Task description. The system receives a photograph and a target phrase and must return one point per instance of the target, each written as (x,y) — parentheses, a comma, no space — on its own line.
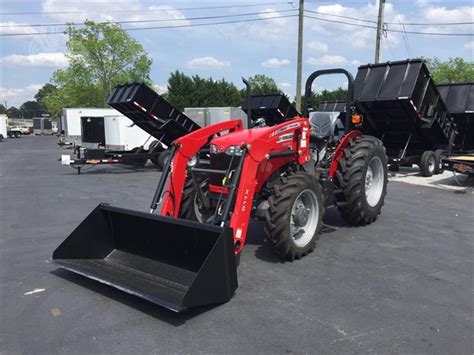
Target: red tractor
(217,178)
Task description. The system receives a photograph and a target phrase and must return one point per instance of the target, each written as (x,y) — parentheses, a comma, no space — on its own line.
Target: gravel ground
(401,285)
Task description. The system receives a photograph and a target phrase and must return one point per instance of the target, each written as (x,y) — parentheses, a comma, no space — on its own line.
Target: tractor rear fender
(339,150)
(188,146)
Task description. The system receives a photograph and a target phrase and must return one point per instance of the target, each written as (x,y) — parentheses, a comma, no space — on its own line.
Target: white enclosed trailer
(205,116)
(3,126)
(70,123)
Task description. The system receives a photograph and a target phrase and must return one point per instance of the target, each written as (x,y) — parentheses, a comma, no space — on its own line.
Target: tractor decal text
(285,138)
(286,128)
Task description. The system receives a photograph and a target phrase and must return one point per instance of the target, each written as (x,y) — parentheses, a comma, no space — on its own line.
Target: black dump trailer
(152,113)
(404,108)
(147,110)
(460,101)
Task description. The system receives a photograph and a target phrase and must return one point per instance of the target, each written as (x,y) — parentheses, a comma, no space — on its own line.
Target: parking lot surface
(401,285)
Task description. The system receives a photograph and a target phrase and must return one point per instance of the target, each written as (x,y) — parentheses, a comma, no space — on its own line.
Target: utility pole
(299,66)
(379,31)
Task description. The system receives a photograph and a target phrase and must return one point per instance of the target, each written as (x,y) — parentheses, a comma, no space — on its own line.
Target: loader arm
(187,147)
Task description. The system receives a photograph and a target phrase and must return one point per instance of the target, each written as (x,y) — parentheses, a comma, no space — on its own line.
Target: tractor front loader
(217,178)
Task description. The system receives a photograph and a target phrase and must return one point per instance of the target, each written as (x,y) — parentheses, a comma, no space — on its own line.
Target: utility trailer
(404,108)
(42,126)
(112,139)
(205,116)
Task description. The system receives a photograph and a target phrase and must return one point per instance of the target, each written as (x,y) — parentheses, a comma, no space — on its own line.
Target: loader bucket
(175,263)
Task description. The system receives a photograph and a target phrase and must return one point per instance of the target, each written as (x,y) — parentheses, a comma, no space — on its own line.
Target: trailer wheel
(1,137)
(163,158)
(138,162)
(155,148)
(428,163)
(17,134)
(439,165)
(361,179)
(294,216)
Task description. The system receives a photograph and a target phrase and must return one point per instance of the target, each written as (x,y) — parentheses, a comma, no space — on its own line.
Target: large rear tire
(362,180)
(293,218)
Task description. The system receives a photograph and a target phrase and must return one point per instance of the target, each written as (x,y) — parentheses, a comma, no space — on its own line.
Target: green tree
(262,84)
(101,56)
(30,109)
(13,112)
(327,95)
(194,91)
(455,70)
(2,109)
(44,92)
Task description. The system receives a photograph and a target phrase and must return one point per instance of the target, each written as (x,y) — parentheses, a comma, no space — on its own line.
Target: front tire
(294,216)
(362,180)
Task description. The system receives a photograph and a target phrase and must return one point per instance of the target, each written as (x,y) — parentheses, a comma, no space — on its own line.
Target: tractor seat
(322,124)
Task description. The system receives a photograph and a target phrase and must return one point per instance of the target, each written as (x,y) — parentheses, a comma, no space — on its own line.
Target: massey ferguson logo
(286,128)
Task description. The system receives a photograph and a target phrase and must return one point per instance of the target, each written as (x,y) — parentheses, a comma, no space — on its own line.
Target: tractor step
(175,263)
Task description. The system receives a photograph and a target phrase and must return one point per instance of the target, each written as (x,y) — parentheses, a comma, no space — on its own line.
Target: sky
(267,45)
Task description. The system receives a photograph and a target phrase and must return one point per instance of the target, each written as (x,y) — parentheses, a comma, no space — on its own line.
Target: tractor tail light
(356,119)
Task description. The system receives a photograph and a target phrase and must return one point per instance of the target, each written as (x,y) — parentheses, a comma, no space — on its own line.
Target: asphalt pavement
(401,285)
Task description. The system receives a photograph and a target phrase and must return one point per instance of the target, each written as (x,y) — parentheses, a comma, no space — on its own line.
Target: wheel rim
(431,164)
(374,181)
(304,218)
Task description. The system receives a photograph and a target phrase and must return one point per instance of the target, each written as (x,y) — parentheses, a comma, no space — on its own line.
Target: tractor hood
(241,137)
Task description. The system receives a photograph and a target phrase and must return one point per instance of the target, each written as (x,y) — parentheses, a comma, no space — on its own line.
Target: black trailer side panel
(151,112)
(459,99)
(401,99)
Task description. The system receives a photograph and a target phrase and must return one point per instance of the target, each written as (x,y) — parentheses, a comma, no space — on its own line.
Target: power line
(157,27)
(392,30)
(393,23)
(148,10)
(147,21)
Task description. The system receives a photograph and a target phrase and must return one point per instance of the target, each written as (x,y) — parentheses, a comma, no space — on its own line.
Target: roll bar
(349,97)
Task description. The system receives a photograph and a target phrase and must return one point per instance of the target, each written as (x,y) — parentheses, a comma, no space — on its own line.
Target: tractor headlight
(234,150)
(213,149)
(193,161)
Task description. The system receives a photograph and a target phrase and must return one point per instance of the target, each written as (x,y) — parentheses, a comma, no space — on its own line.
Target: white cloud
(54,59)
(207,63)
(7,28)
(99,11)
(16,96)
(275,63)
(442,14)
(469,45)
(161,89)
(317,46)
(330,60)
(273,28)
(353,36)
(285,85)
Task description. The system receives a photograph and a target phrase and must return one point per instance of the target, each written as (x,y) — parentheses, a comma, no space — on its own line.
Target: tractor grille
(221,162)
